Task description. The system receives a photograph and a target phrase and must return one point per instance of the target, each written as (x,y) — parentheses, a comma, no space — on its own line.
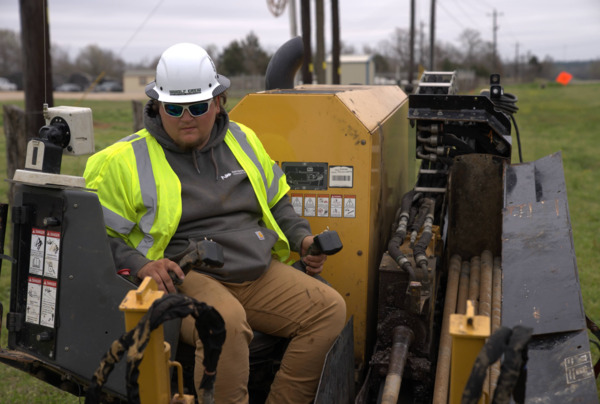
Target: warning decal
(323,206)
(34,297)
(310,205)
(38,246)
(48,303)
(297,203)
(350,206)
(52,254)
(336,205)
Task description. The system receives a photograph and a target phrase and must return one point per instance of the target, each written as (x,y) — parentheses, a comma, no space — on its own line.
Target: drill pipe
(442,374)
(485,297)
(496,317)
(474,283)
(463,288)
(403,338)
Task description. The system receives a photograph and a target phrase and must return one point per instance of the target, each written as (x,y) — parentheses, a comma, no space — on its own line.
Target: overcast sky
(137,30)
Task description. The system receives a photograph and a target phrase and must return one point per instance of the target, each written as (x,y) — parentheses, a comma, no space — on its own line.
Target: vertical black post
(432,37)
(306,40)
(335,46)
(411,62)
(37,71)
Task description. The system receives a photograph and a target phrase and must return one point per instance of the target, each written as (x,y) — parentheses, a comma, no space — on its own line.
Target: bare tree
(93,60)
(10,52)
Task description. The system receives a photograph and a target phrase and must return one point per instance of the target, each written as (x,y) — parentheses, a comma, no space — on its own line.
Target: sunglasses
(195,110)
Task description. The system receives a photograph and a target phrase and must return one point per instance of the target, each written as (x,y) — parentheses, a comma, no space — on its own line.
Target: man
(192,174)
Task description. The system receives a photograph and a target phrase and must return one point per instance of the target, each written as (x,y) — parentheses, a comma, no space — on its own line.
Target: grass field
(553,118)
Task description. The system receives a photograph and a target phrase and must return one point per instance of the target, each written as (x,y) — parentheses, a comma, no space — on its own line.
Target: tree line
(247,57)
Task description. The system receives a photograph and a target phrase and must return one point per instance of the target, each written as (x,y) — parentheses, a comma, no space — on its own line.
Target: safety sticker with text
(38,246)
(34,298)
(350,206)
(52,254)
(337,205)
(48,310)
(323,206)
(297,203)
(310,205)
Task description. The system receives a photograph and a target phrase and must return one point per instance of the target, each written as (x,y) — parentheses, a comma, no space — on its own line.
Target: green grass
(550,119)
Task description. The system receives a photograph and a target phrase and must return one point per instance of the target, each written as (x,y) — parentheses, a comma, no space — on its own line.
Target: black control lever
(327,243)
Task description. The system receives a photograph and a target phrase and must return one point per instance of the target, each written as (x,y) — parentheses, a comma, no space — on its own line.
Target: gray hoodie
(218,203)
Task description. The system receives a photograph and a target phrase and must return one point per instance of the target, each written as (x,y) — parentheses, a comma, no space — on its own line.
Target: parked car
(109,86)
(6,85)
(69,87)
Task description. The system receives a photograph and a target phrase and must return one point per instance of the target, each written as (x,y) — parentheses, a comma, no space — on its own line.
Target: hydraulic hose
(398,238)
(420,248)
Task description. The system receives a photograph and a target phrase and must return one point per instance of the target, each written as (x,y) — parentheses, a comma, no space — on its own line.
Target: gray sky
(139,30)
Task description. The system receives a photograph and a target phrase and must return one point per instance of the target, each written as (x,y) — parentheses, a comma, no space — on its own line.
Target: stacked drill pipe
(478,280)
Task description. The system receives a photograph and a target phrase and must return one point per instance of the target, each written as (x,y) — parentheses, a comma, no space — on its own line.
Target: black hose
(512,343)
(490,353)
(210,327)
(513,369)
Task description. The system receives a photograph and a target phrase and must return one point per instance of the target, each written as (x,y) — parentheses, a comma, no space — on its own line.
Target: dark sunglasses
(196,109)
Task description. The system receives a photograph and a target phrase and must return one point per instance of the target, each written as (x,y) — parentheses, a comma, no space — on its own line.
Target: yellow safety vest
(141,194)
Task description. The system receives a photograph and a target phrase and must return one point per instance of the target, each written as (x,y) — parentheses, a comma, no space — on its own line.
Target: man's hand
(159,271)
(314,263)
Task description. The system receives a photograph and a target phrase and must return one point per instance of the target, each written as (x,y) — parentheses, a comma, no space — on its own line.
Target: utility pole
(320,53)
(307,67)
(495,42)
(37,69)
(411,62)
(517,61)
(432,36)
(335,46)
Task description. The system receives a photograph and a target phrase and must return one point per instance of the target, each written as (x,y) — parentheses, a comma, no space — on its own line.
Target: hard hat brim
(156,93)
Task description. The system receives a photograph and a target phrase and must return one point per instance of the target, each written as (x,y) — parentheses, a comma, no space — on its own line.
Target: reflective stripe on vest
(241,138)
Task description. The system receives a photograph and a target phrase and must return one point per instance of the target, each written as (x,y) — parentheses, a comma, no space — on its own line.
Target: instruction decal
(38,246)
(579,367)
(34,298)
(310,205)
(48,310)
(297,203)
(341,176)
(323,206)
(350,206)
(52,254)
(337,205)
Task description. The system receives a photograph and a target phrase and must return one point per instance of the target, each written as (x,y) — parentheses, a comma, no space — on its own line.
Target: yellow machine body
(349,157)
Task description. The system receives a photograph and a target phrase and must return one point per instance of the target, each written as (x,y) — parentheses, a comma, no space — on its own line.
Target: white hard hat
(186,73)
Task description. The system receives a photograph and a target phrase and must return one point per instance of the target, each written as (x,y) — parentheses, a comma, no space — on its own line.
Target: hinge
(20,214)
(14,322)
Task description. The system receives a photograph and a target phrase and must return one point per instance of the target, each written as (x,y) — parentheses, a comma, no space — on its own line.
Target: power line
(451,16)
(474,23)
(139,28)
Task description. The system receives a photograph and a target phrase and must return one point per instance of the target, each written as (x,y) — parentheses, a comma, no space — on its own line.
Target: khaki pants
(283,302)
